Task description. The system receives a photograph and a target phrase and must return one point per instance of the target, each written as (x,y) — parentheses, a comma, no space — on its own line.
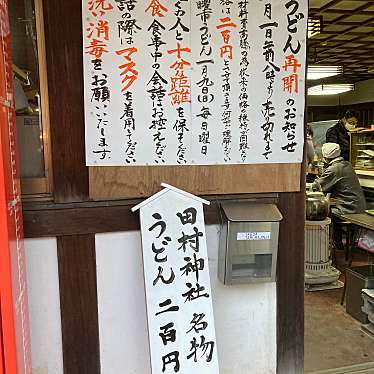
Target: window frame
(38,187)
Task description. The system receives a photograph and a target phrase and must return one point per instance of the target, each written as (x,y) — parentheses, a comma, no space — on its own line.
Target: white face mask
(349,127)
(350,123)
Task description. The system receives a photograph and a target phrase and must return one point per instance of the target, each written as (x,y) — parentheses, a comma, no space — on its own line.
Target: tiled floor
(333,339)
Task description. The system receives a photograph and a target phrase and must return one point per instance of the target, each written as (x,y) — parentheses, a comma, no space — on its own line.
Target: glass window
(31,96)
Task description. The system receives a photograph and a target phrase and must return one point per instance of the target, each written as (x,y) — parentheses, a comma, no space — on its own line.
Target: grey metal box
(248,242)
(357,278)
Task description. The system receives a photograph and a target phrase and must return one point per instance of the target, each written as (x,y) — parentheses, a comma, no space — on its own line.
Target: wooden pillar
(63,33)
(78,299)
(76,253)
(290,285)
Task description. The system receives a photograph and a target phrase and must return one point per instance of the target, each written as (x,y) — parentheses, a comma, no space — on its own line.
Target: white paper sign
(177,283)
(194,82)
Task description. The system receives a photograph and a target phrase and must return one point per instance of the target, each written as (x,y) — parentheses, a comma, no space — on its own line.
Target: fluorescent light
(330,89)
(323,71)
(314,26)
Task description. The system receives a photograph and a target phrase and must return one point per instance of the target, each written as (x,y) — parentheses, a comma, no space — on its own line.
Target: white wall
(245,315)
(44,305)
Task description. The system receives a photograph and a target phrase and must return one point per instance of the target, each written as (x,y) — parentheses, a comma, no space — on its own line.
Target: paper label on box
(265,235)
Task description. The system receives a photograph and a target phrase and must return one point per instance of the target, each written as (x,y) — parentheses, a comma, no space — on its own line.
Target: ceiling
(347,38)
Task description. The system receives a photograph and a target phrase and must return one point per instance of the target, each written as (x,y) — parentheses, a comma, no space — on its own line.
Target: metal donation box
(248,242)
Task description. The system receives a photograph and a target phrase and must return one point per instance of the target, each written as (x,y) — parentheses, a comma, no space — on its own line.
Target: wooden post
(78,300)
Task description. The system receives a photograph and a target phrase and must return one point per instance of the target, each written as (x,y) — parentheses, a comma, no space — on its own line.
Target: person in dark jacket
(339,133)
(339,179)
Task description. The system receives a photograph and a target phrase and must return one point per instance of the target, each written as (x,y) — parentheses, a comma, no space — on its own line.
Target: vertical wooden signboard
(177,283)
(15,357)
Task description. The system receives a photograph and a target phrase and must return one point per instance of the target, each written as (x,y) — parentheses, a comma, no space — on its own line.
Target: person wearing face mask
(339,133)
(339,179)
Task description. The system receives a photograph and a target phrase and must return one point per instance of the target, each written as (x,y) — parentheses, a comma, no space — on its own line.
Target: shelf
(364,172)
(361,168)
(362,145)
(364,131)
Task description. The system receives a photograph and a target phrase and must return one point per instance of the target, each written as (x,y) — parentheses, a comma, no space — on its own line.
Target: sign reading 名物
(177,284)
(194,82)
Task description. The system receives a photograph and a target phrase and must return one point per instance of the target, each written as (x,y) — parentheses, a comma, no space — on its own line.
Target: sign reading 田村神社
(177,284)
(194,82)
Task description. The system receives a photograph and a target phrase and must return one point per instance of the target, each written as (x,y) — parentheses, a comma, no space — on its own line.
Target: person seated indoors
(339,179)
(339,133)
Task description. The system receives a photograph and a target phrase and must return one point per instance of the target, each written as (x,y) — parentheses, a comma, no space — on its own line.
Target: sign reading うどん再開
(194,82)
(177,284)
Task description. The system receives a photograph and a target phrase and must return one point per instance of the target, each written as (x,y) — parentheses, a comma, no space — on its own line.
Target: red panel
(7,318)
(13,301)
(1,347)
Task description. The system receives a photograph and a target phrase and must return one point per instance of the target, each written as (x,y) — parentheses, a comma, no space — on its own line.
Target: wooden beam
(343,43)
(348,12)
(347,31)
(65,83)
(343,13)
(347,23)
(336,33)
(143,181)
(46,220)
(325,7)
(55,222)
(357,53)
(78,301)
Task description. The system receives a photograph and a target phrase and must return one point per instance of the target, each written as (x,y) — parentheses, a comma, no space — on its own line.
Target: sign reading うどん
(194,82)
(177,284)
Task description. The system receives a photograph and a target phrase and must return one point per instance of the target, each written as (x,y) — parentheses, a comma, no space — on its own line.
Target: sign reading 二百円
(177,284)
(194,82)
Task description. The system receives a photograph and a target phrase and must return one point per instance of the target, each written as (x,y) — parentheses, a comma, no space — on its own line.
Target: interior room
(338,315)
